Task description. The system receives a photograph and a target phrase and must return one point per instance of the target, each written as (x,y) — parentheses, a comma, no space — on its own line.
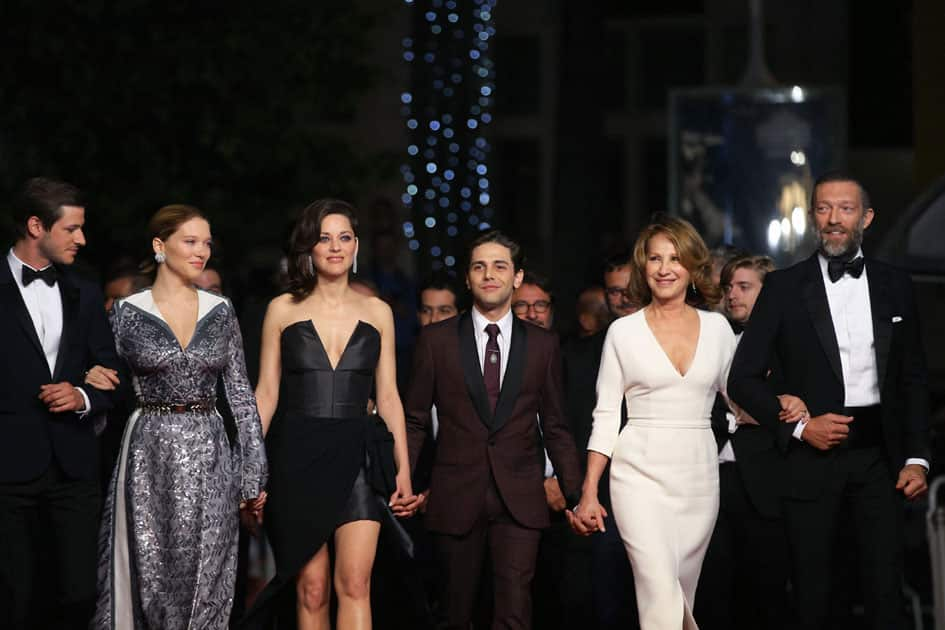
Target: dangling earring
(311,266)
(354,267)
(159,257)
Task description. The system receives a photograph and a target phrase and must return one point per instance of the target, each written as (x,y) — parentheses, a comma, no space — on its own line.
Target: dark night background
(251,110)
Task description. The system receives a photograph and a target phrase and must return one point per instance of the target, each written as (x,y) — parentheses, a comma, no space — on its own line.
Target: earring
(354,267)
(159,257)
(311,266)
(694,286)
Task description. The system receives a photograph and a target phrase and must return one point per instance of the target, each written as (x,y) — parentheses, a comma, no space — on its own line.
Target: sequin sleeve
(242,401)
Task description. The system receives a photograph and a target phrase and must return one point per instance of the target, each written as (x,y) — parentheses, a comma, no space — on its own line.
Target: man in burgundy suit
(490,375)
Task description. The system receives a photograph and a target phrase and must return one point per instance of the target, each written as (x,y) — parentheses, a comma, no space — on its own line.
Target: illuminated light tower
(447,112)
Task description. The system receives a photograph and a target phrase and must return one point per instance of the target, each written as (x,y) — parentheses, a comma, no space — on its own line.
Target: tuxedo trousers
(48,551)
(861,495)
(512,550)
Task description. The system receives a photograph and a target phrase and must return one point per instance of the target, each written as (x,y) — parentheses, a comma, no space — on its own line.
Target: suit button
(491,442)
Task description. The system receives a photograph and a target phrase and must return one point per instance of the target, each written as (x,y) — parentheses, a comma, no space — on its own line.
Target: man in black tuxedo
(844,333)
(744,575)
(53,328)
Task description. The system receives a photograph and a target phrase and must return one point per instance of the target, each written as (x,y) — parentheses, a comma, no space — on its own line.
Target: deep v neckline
(164,320)
(695,352)
(344,350)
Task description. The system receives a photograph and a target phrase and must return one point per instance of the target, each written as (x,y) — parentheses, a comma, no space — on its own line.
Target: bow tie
(47,275)
(836,268)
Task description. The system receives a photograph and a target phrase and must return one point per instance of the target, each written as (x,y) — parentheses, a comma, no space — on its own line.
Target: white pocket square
(896,319)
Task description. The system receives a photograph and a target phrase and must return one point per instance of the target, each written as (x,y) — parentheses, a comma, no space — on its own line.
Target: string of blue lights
(446,112)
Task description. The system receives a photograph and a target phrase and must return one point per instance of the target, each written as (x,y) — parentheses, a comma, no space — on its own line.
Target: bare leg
(355,548)
(313,592)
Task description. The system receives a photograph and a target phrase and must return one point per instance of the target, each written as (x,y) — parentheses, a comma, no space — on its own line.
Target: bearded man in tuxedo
(843,331)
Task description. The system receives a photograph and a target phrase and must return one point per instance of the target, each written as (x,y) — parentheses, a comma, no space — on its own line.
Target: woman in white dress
(667,360)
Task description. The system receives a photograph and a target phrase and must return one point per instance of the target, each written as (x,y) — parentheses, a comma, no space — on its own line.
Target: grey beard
(843,251)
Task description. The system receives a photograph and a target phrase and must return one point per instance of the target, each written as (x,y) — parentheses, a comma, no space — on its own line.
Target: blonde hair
(166,220)
(693,254)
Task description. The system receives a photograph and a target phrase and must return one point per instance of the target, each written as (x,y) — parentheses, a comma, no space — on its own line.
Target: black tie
(837,267)
(47,275)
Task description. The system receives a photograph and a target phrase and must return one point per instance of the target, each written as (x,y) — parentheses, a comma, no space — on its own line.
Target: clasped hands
(251,513)
(404,502)
(826,431)
(63,397)
(587,517)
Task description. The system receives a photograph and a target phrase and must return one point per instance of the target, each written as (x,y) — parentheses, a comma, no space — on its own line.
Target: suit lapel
(70,319)
(815,297)
(10,293)
(878,283)
(514,371)
(472,372)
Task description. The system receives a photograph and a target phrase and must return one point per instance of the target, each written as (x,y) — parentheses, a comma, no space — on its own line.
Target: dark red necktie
(490,368)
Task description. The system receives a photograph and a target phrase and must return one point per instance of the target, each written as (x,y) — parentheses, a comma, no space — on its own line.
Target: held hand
(404,502)
(553,496)
(741,416)
(826,431)
(250,520)
(591,514)
(251,513)
(422,505)
(576,525)
(102,378)
(257,504)
(61,397)
(912,481)
(793,409)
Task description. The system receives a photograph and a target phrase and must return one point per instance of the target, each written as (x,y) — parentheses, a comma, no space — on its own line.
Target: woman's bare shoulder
(374,311)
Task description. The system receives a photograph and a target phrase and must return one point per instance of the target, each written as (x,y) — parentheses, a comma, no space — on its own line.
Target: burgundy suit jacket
(473,443)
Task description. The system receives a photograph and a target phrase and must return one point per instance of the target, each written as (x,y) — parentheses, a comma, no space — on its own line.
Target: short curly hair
(693,254)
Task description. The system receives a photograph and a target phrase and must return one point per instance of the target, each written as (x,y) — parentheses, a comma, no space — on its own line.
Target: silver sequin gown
(169,532)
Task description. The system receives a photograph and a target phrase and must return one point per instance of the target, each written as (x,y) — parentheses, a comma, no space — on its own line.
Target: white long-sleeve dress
(664,479)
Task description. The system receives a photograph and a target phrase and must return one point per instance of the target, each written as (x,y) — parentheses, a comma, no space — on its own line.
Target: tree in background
(232,106)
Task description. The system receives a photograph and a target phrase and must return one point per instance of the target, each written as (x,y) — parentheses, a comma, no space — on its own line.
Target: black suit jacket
(760,465)
(791,325)
(475,445)
(31,436)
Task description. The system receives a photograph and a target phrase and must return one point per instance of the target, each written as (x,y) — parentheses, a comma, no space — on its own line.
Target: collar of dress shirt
(823,263)
(505,323)
(16,267)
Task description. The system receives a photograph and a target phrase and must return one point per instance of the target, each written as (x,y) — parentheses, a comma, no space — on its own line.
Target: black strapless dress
(321,474)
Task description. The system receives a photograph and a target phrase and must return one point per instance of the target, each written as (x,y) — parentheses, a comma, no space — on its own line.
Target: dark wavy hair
(301,276)
(693,254)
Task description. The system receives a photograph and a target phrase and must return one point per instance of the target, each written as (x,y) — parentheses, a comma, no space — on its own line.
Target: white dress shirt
(504,339)
(852,315)
(44,304)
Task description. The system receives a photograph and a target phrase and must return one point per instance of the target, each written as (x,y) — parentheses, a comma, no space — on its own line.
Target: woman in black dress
(323,347)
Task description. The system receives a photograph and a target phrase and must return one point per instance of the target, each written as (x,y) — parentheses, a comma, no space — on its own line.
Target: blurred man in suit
(744,575)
